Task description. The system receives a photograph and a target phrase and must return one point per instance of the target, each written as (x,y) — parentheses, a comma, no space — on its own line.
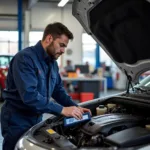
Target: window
(89,46)
(105,58)
(5,60)
(34,37)
(8,42)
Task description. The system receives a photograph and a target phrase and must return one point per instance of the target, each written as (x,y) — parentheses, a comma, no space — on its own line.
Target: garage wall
(8,7)
(76,28)
(44,13)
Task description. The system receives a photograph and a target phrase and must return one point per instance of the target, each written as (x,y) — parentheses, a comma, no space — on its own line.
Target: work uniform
(33,78)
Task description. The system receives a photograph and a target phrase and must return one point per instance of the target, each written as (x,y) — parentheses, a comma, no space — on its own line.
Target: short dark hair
(57,29)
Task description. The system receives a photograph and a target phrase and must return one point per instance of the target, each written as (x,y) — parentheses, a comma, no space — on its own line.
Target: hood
(121,28)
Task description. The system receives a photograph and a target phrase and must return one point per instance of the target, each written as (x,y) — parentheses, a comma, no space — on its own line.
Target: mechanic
(33,79)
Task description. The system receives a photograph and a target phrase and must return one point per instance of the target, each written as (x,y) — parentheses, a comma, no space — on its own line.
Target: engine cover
(130,137)
(109,123)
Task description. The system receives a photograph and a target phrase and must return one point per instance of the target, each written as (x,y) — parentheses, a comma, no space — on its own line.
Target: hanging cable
(129,83)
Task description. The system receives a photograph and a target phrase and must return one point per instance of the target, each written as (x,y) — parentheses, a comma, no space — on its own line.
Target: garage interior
(21,25)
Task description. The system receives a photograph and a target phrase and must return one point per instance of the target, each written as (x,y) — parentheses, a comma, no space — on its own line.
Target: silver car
(122,121)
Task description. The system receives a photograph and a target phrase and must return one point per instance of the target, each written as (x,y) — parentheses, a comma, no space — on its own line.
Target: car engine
(98,131)
(117,126)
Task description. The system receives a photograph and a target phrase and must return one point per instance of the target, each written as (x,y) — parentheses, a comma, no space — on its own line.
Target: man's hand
(72,111)
(84,110)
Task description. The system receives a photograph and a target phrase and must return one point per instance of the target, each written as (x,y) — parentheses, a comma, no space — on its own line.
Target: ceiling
(55,1)
(31,3)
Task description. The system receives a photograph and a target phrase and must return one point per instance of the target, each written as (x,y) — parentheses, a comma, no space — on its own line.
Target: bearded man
(33,79)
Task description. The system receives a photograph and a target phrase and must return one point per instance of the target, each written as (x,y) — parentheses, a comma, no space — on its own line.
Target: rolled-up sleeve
(26,81)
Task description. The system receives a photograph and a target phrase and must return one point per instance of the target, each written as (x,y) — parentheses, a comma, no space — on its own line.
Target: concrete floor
(45,116)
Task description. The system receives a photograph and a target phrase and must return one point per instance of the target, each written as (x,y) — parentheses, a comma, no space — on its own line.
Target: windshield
(145,82)
(5,60)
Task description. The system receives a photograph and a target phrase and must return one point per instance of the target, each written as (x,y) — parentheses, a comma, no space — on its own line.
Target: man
(32,79)
(68,66)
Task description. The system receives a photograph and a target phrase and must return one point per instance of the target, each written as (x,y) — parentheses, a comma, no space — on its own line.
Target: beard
(51,51)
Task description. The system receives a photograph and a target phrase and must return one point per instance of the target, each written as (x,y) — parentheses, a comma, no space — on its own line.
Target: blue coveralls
(33,78)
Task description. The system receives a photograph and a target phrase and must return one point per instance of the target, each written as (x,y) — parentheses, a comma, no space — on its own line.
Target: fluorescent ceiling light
(62,3)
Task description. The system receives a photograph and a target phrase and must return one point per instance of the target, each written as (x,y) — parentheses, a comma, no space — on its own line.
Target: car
(121,121)
(4,64)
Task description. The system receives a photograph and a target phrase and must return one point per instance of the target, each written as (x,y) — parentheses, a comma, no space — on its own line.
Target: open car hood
(121,28)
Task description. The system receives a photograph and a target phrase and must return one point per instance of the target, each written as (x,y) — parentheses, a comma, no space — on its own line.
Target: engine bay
(113,125)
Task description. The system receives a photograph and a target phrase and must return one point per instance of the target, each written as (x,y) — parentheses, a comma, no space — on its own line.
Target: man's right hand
(72,111)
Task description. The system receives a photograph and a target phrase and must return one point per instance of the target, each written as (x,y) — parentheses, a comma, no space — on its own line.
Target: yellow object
(100,72)
(147,126)
(72,75)
(111,106)
(51,131)
(101,110)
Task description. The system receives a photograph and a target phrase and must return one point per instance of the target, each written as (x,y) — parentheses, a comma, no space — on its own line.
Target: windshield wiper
(145,91)
(140,89)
